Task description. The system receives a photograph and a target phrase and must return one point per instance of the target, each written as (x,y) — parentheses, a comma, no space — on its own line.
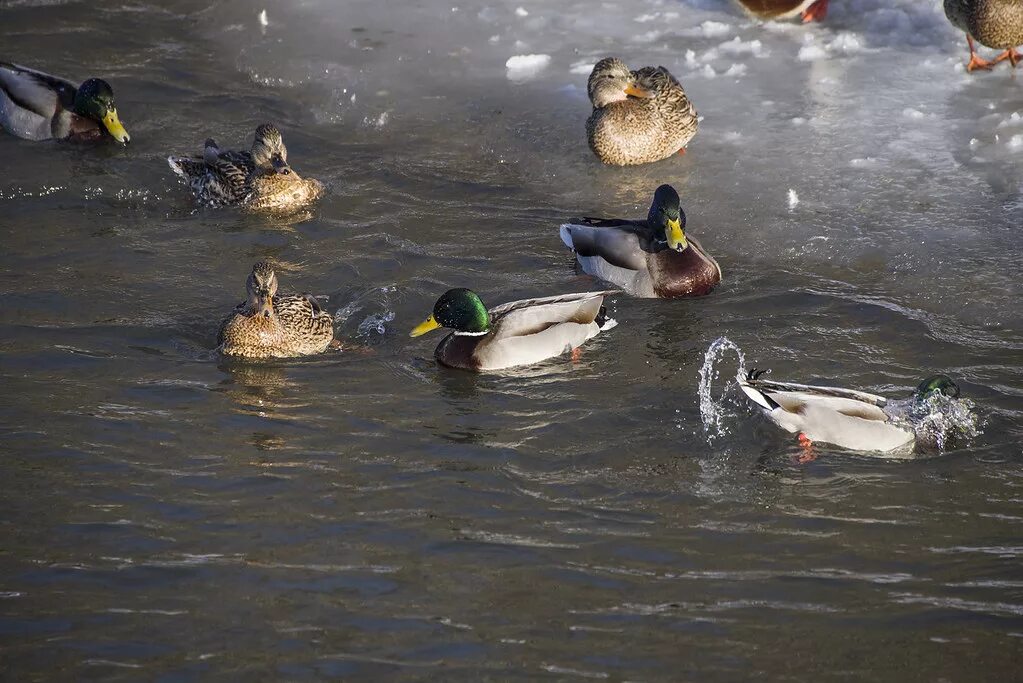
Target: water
(367,515)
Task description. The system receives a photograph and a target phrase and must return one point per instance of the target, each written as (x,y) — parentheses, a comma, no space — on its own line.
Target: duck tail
(566,235)
(604,322)
(756,395)
(185,167)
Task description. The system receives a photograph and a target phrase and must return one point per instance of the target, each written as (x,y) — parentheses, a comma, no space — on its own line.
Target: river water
(369,515)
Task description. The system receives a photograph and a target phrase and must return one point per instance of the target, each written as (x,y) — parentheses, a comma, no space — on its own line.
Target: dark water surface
(168,515)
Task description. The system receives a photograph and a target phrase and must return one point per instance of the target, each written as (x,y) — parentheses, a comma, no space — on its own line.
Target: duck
(848,418)
(37,106)
(258,179)
(516,333)
(652,258)
(997,24)
(638,116)
(771,10)
(269,326)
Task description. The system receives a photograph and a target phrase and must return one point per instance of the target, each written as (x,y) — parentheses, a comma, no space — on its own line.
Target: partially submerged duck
(258,179)
(638,116)
(843,417)
(268,326)
(37,106)
(997,24)
(646,258)
(808,10)
(515,333)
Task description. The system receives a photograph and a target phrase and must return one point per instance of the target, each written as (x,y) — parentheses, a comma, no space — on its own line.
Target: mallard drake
(268,326)
(257,179)
(37,106)
(515,333)
(844,417)
(995,23)
(638,116)
(651,258)
(809,10)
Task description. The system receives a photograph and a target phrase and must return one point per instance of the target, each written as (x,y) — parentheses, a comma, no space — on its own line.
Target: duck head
(461,310)
(939,383)
(261,287)
(94,99)
(611,81)
(268,151)
(666,215)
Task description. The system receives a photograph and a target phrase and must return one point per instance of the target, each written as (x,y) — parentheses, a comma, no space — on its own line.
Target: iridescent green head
(94,99)
(940,383)
(461,310)
(666,214)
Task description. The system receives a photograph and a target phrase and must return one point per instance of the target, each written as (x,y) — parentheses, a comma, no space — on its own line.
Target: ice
(521,67)
(714,29)
(521,12)
(793,199)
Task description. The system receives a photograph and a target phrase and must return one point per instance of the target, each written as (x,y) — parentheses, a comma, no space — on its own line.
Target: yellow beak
(114,127)
(676,238)
(424,327)
(636,91)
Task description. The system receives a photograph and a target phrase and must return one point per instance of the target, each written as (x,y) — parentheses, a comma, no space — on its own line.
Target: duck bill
(280,165)
(266,307)
(676,238)
(426,326)
(114,127)
(637,91)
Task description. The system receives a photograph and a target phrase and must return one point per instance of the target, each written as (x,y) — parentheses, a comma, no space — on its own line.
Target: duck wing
(618,242)
(529,316)
(35,91)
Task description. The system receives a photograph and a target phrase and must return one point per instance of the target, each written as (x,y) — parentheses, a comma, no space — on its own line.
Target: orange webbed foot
(816,12)
(1010,54)
(975,61)
(682,151)
(808,454)
(577,354)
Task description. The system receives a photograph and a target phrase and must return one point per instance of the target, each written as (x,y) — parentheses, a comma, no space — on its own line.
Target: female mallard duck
(638,116)
(38,106)
(267,326)
(809,10)
(995,23)
(651,258)
(258,179)
(516,333)
(844,417)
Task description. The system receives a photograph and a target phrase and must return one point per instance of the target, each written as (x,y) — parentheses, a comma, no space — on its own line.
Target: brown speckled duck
(638,116)
(995,23)
(808,10)
(652,258)
(268,326)
(258,179)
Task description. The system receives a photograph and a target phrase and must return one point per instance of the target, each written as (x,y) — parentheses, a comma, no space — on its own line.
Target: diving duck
(808,10)
(844,417)
(647,258)
(515,333)
(995,23)
(258,179)
(638,116)
(268,326)
(37,106)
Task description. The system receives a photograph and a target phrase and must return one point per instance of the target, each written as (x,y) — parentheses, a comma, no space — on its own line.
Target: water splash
(942,422)
(711,411)
(376,322)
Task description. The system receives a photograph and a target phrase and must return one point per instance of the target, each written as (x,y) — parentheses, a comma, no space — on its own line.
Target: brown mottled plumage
(638,116)
(995,23)
(258,179)
(266,326)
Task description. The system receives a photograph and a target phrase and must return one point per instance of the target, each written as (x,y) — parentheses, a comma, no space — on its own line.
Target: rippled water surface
(168,515)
